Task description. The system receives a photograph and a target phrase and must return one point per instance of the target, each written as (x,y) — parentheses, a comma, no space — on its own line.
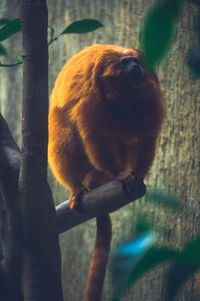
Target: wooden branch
(101,200)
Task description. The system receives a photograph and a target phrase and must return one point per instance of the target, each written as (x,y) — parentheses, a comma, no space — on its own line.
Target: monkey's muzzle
(133,73)
(132,69)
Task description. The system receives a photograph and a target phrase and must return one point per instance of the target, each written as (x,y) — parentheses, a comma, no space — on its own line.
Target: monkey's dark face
(124,80)
(131,68)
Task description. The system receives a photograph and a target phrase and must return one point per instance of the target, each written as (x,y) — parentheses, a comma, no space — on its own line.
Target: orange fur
(102,125)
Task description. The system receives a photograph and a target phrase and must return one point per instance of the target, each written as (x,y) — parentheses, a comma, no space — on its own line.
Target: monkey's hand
(129,180)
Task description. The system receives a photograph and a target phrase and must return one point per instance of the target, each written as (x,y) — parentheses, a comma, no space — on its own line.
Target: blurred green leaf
(187,263)
(156,35)
(2,50)
(82,26)
(152,258)
(133,259)
(52,26)
(19,58)
(125,258)
(4,21)
(178,275)
(194,62)
(191,252)
(10,29)
(164,198)
(142,226)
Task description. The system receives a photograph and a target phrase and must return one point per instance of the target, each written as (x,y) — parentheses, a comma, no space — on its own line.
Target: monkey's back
(72,86)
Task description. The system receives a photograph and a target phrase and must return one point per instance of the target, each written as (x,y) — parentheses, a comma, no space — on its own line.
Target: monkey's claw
(130,181)
(126,179)
(137,177)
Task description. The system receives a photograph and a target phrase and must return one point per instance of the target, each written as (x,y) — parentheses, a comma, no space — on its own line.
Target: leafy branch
(14,26)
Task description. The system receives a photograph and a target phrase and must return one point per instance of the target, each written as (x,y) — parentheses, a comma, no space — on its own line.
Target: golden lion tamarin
(105,116)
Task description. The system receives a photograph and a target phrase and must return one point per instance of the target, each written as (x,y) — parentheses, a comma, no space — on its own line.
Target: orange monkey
(106,112)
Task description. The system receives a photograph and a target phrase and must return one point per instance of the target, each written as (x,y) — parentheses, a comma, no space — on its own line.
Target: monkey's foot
(74,200)
(129,180)
(137,177)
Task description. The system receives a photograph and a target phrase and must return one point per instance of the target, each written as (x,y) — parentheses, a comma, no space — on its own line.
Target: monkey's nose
(134,72)
(132,69)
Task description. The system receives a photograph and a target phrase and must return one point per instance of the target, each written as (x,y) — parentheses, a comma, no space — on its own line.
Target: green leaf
(157,31)
(178,275)
(152,258)
(142,225)
(52,27)
(10,29)
(4,21)
(164,198)
(194,62)
(19,58)
(2,50)
(125,258)
(135,258)
(82,26)
(187,263)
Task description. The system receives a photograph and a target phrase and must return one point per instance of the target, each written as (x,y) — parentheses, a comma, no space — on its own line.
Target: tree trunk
(41,277)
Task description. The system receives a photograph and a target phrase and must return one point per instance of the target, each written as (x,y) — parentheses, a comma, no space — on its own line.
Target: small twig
(52,39)
(11,65)
(52,32)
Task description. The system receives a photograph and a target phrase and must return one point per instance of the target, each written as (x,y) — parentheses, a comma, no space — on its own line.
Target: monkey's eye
(126,60)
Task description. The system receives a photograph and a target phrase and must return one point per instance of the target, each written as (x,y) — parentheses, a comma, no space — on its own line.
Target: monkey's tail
(99,260)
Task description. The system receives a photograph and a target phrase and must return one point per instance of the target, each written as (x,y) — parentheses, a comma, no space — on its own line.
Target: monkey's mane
(79,76)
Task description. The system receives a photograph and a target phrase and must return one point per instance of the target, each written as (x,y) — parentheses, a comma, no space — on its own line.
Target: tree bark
(41,263)
(10,230)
